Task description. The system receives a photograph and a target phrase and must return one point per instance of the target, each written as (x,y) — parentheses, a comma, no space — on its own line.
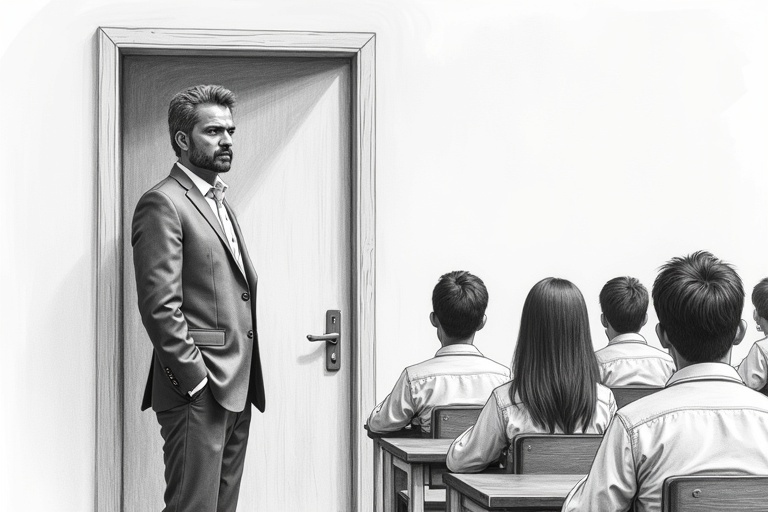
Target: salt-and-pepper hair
(182,111)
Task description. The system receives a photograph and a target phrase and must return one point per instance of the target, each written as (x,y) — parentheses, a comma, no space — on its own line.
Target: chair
(627,394)
(448,422)
(709,493)
(553,454)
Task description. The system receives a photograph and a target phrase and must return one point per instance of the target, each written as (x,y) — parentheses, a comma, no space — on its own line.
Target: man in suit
(197,297)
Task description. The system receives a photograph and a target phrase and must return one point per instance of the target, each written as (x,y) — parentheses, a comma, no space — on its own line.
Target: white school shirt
(753,370)
(458,374)
(501,420)
(226,225)
(705,421)
(628,360)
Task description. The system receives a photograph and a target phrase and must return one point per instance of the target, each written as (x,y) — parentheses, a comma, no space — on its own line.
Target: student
(458,374)
(705,420)
(555,388)
(628,360)
(754,368)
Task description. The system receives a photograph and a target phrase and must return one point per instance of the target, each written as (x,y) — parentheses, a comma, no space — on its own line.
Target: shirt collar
(459,349)
(705,371)
(199,182)
(628,337)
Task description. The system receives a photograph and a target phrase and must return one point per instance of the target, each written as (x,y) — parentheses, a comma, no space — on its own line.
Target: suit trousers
(204,450)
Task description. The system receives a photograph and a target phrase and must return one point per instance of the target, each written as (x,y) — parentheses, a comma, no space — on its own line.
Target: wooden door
(290,186)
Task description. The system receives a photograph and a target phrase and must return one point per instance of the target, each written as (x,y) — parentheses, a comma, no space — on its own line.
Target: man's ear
(603,320)
(482,324)
(741,330)
(433,320)
(645,320)
(662,335)
(182,140)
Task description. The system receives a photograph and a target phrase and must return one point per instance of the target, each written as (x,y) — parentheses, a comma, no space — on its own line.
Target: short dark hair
(760,298)
(624,301)
(459,301)
(699,300)
(554,367)
(182,112)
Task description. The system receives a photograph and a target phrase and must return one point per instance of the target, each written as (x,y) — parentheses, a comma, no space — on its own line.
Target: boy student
(628,360)
(754,368)
(705,420)
(458,374)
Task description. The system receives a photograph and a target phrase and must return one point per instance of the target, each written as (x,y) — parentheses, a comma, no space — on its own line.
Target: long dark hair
(554,366)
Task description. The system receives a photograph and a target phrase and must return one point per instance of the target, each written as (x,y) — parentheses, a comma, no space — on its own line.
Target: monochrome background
(516,140)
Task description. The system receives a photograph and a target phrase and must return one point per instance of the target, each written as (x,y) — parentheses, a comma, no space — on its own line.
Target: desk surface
(424,451)
(509,491)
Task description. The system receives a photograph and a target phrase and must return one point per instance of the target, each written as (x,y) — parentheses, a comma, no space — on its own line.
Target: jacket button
(246,296)
(250,334)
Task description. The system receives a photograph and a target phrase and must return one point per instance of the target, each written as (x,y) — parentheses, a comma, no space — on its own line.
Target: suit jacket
(197,305)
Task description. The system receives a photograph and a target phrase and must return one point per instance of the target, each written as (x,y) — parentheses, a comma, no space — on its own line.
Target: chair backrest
(448,421)
(710,493)
(554,454)
(627,394)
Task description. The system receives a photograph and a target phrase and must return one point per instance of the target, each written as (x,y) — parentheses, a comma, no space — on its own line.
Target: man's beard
(208,162)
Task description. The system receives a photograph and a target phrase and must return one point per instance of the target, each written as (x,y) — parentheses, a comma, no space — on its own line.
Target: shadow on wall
(59,391)
(264,88)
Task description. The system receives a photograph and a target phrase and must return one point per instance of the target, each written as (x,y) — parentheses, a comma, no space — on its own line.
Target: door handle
(332,339)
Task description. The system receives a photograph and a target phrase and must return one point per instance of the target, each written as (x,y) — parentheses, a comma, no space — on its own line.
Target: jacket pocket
(208,337)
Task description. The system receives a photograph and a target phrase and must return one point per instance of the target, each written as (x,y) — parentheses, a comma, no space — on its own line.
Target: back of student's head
(760,298)
(554,366)
(699,300)
(459,301)
(624,301)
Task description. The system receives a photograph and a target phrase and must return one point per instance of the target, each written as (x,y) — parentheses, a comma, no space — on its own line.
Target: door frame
(114,43)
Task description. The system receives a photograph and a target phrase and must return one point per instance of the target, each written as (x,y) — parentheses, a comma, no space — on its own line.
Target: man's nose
(226,140)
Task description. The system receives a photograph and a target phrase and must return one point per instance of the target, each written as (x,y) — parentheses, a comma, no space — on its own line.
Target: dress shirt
(501,420)
(226,225)
(753,370)
(628,360)
(705,421)
(458,374)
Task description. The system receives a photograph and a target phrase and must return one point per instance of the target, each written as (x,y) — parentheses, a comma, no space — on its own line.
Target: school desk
(422,461)
(506,493)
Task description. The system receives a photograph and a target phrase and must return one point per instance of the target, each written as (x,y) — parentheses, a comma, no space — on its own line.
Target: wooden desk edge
(391,446)
(455,482)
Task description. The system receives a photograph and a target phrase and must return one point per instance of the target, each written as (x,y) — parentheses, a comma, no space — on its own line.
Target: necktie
(217,194)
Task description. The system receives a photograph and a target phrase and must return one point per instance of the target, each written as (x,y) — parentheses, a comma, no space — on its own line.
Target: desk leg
(378,478)
(452,500)
(388,483)
(416,488)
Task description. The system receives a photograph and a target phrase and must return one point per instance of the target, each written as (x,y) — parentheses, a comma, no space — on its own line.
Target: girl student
(555,381)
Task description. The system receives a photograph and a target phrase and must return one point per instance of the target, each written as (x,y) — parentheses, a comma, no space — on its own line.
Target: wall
(516,140)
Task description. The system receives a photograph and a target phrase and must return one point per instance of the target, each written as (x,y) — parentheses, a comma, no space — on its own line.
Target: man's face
(210,143)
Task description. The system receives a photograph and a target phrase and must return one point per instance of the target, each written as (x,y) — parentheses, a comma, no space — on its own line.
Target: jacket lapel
(250,272)
(197,199)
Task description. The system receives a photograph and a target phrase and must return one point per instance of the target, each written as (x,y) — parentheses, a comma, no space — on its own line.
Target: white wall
(517,140)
